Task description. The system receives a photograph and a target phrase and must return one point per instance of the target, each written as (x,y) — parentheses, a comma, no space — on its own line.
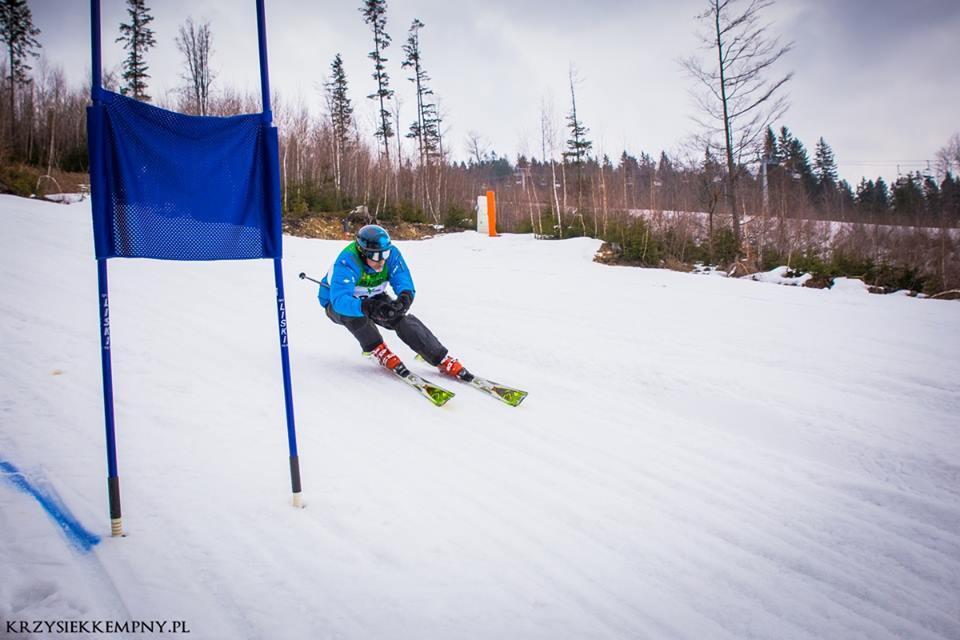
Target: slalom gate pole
(106,366)
(287,386)
(278,278)
(264,71)
(113,479)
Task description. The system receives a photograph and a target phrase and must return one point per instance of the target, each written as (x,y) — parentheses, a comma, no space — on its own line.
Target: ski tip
(512,397)
(438,396)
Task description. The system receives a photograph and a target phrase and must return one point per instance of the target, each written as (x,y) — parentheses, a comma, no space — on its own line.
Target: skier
(353,293)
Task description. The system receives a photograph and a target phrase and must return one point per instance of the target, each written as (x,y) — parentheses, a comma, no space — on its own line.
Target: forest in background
(666,210)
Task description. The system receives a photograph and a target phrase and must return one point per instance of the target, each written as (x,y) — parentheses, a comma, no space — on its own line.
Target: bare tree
(51,95)
(548,137)
(476,147)
(195,42)
(397,105)
(735,97)
(441,155)
(948,157)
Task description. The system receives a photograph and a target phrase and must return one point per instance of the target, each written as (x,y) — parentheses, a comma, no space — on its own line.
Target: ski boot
(388,358)
(452,367)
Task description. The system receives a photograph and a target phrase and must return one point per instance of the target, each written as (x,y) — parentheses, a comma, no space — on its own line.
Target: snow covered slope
(698,458)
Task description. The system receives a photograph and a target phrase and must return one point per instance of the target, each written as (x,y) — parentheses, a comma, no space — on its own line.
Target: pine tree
(873,198)
(628,168)
(577,145)
(825,176)
(710,191)
(665,168)
(20,36)
(907,196)
(825,167)
(865,197)
(628,163)
(933,202)
(799,162)
(846,199)
(375,14)
(881,196)
(783,143)
(950,198)
(796,161)
(647,172)
(770,149)
(341,117)
(137,38)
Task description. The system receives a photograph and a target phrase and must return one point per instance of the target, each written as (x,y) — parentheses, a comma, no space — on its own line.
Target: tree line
(737,171)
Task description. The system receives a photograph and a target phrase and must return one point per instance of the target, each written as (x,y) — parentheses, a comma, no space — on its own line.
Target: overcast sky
(878,79)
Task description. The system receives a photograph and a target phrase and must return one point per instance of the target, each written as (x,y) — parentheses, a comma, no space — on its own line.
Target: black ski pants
(408,327)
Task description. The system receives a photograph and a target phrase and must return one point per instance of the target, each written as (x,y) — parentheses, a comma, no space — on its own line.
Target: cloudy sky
(878,79)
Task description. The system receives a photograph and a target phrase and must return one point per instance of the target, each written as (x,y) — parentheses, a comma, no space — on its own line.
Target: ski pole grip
(304,276)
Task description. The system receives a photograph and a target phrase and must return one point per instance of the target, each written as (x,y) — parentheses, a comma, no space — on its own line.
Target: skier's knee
(354,323)
(408,320)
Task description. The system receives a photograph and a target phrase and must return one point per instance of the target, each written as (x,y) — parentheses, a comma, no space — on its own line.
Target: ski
(503,393)
(435,394)
(432,392)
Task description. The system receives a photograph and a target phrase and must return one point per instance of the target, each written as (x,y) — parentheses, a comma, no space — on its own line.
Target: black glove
(369,306)
(379,310)
(386,315)
(402,303)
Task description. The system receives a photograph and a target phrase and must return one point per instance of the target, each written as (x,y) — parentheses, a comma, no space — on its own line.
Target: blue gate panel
(177,187)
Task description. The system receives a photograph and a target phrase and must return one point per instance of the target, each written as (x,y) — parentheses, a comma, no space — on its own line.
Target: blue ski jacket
(350,280)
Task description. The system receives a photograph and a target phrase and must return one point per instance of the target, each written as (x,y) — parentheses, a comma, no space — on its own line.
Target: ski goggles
(377,256)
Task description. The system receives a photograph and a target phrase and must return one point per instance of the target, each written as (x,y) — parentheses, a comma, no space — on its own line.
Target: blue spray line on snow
(79,537)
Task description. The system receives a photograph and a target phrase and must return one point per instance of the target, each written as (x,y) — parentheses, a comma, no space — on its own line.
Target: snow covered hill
(698,458)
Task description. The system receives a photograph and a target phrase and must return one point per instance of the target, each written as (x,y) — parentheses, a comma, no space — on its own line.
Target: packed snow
(783,275)
(698,457)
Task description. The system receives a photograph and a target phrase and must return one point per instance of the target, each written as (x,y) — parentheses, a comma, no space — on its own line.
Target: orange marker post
(492,213)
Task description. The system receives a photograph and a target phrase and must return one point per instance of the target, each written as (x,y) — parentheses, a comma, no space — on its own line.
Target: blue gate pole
(287,386)
(113,480)
(278,277)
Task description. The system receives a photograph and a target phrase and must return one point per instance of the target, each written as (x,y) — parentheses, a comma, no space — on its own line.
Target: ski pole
(304,276)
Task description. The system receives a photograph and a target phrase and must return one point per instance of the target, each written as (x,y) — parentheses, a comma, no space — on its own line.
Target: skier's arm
(400,279)
(343,281)
(403,302)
